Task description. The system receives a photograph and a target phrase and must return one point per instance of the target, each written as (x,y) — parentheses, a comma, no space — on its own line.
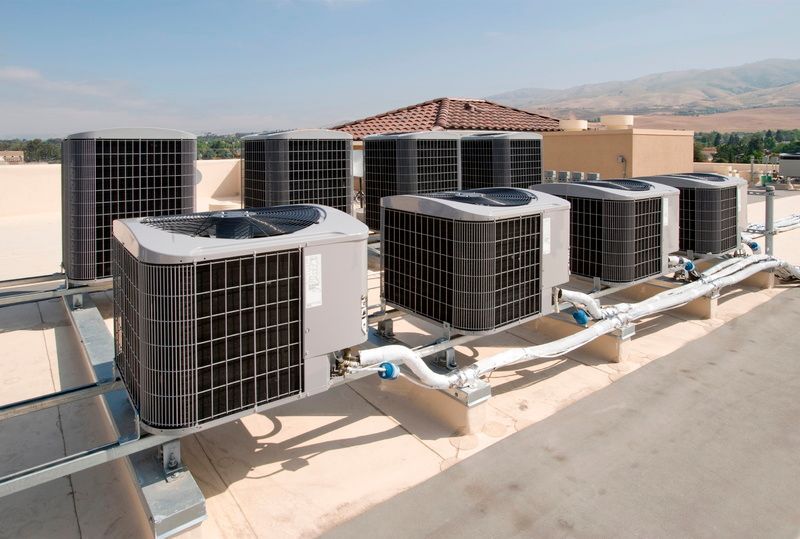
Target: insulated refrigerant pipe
(598,312)
(616,316)
(781,225)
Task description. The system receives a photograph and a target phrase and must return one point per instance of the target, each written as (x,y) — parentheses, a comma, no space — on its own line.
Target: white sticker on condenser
(546,236)
(313,279)
(665,212)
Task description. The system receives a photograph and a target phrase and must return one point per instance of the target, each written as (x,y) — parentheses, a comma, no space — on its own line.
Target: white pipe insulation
(593,307)
(680,262)
(612,317)
(585,301)
(781,225)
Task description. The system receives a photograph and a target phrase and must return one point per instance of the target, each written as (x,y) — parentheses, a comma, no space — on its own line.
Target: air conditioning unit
(563,176)
(621,231)
(220,314)
(477,260)
(789,165)
(114,174)
(408,164)
(713,210)
(577,176)
(303,166)
(550,176)
(501,160)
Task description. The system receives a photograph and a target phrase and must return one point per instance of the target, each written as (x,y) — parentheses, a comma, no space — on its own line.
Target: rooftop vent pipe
(617,121)
(573,125)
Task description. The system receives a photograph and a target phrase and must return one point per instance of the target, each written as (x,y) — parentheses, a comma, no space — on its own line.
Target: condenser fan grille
(407,166)
(298,171)
(489,196)
(500,162)
(622,185)
(708,220)
(477,276)
(618,241)
(109,179)
(240,224)
(706,176)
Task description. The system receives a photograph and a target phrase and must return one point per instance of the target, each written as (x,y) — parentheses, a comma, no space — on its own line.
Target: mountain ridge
(773,82)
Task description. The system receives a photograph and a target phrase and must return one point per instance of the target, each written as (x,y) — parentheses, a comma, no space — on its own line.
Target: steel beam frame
(173,502)
(170,496)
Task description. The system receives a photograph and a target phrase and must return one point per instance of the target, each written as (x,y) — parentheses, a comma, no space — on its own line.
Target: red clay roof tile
(450,113)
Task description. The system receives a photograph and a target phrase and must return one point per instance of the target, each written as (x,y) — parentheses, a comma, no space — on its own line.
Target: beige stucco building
(619,153)
(12,157)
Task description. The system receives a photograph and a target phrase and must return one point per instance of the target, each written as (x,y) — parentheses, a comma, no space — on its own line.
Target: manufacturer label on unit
(313,280)
(546,236)
(665,211)
(364,325)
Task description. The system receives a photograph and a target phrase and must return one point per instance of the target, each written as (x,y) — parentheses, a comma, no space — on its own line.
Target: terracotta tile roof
(450,113)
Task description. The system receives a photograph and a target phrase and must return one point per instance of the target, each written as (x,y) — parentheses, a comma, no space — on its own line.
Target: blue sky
(251,65)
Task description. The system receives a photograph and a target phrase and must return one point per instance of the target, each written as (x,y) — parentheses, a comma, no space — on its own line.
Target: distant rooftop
(11,156)
(450,113)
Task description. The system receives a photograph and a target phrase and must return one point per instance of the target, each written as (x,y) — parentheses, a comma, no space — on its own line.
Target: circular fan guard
(622,185)
(240,224)
(706,176)
(488,196)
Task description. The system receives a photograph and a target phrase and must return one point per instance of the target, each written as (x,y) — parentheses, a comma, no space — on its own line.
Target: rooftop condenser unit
(713,211)
(118,173)
(408,164)
(303,166)
(220,314)
(501,160)
(621,231)
(478,260)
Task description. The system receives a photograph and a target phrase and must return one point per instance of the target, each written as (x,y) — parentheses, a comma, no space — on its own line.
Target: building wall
(12,157)
(219,178)
(34,188)
(646,151)
(586,151)
(661,152)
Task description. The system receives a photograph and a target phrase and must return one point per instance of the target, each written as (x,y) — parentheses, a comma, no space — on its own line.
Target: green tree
(699,156)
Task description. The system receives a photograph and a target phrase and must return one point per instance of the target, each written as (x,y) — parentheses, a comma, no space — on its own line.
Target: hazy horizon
(267,64)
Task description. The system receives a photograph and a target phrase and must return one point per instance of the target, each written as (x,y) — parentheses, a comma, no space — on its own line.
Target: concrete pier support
(612,348)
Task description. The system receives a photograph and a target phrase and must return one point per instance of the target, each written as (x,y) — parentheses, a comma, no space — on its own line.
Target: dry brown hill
(747,120)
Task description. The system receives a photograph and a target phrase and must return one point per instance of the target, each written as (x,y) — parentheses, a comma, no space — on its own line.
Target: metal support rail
(49,471)
(9,283)
(15,297)
(435,348)
(58,398)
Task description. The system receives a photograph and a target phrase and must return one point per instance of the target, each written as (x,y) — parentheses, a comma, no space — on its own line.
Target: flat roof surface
(306,468)
(701,443)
